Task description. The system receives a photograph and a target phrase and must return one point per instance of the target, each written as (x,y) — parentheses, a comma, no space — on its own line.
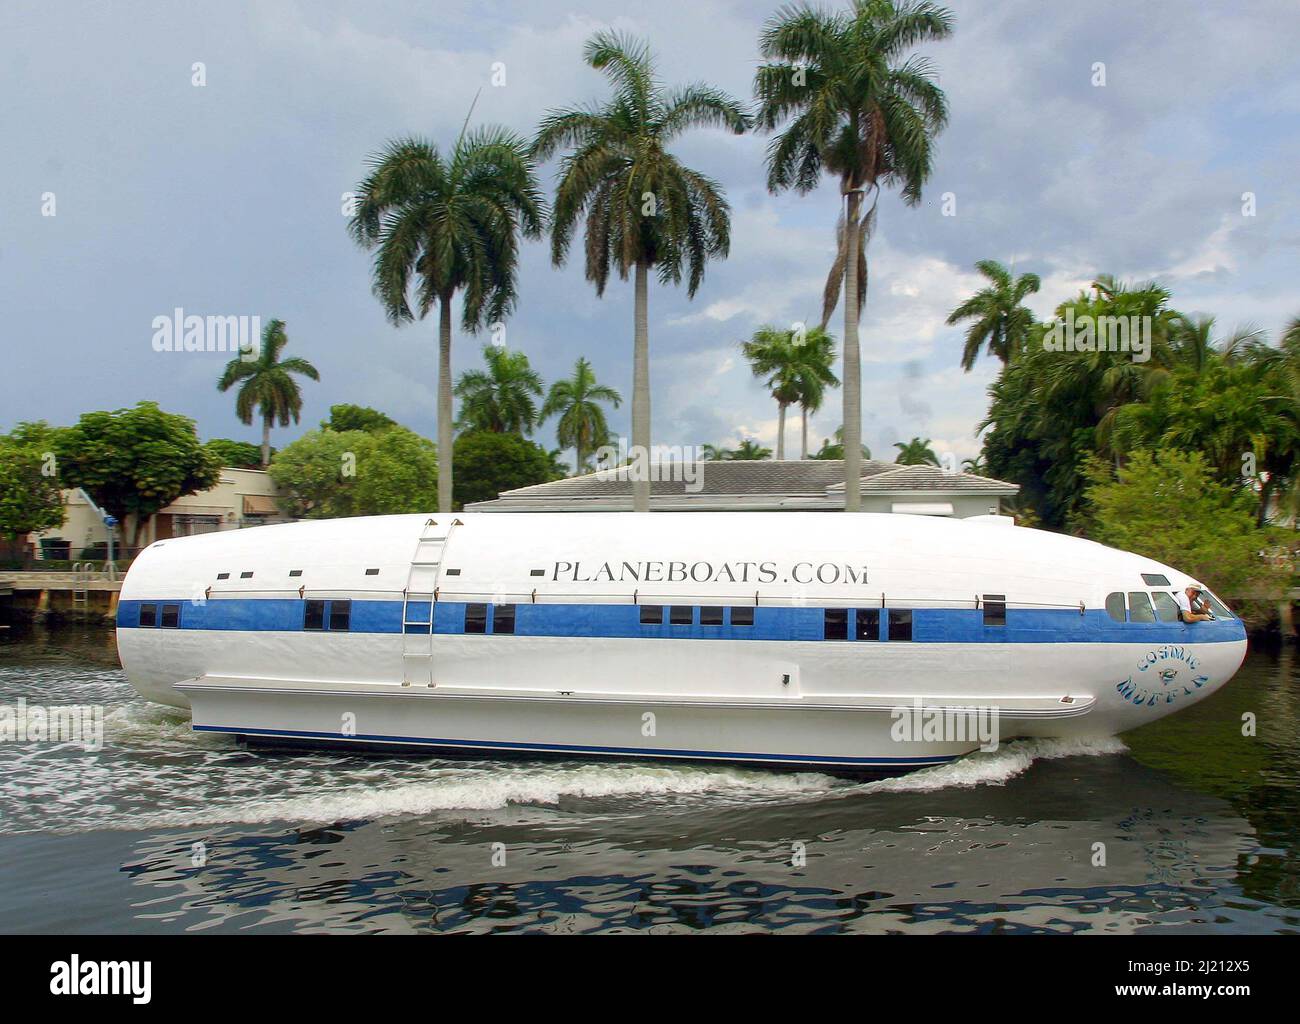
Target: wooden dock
(38,596)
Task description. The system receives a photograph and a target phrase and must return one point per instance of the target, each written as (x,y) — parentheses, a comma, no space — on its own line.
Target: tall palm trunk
(444,403)
(803,432)
(852,363)
(641,393)
(266,440)
(780,432)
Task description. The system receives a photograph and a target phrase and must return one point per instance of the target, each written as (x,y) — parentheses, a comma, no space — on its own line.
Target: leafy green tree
(1281,463)
(853,106)
(1193,342)
(916,452)
(327,474)
(489,462)
(266,384)
(559,469)
(999,318)
(1168,506)
(236,454)
(1049,410)
(749,450)
(135,461)
(448,225)
(644,209)
(1224,412)
(1236,414)
(1291,333)
(577,400)
(502,398)
(357,417)
(31,499)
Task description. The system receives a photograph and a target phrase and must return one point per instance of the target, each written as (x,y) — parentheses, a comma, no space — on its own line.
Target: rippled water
(166,830)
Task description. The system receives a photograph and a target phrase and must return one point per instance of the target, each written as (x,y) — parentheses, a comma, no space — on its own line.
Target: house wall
(220,508)
(963,505)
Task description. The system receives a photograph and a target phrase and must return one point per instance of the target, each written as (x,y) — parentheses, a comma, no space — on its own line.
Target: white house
(794,485)
(242,497)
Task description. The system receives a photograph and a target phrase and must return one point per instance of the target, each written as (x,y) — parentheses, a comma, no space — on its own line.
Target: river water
(1186,824)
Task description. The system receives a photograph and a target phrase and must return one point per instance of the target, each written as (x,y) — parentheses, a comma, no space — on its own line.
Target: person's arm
(1189,611)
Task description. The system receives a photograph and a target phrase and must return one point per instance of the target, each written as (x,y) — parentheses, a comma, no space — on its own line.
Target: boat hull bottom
(411,721)
(289,744)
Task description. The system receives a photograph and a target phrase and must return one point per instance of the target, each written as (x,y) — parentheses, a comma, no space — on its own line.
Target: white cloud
(227,197)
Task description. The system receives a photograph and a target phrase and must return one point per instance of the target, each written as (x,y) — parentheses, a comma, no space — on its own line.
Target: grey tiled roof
(810,477)
(931,478)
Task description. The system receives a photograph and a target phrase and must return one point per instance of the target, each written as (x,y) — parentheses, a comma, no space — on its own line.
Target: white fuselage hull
(870,642)
(842,707)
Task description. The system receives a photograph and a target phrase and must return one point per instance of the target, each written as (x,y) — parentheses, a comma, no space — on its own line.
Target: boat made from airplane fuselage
(873,642)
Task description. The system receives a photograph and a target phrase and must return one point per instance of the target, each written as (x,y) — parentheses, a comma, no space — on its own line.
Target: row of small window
(167,616)
(684,615)
(503,618)
(328,615)
(837,623)
(1142,607)
(865,623)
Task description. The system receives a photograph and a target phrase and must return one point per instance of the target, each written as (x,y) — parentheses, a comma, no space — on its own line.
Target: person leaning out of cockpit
(1192,607)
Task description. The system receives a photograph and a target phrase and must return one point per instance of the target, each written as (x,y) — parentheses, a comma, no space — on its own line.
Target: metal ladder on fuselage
(421,591)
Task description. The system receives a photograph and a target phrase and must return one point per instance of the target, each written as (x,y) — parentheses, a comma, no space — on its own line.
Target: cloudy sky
(227,198)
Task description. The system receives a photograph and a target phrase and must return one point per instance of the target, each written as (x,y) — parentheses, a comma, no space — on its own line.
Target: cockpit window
(1166,606)
(1155,579)
(1218,607)
(1139,607)
(1115,606)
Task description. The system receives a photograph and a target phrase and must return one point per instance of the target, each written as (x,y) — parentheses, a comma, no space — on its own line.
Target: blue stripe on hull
(930,625)
(569,748)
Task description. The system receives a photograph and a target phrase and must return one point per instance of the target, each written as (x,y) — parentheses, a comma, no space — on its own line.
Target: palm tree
(813,375)
(500,399)
(1291,334)
(643,208)
(1000,320)
(749,451)
(576,401)
(446,225)
(1110,380)
(268,386)
(859,111)
(916,452)
(714,453)
(834,451)
(1194,344)
(772,353)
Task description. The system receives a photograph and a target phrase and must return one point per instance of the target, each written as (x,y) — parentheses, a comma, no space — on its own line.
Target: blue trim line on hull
(569,748)
(929,625)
